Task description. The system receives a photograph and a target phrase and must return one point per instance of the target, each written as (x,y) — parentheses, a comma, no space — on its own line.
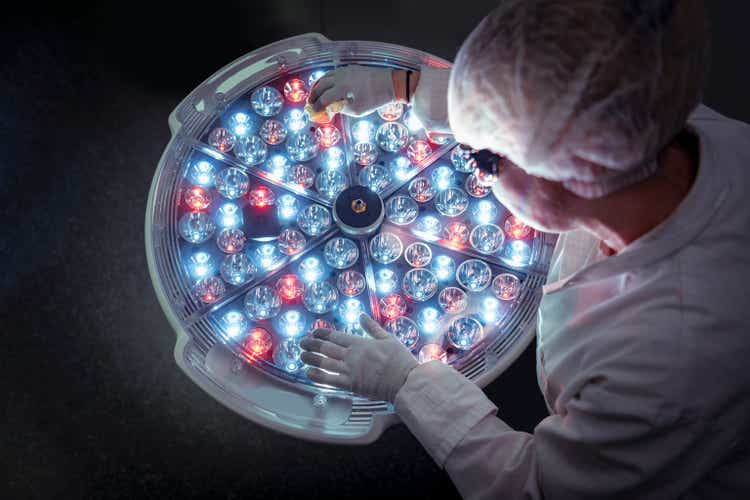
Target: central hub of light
(359,205)
(358,211)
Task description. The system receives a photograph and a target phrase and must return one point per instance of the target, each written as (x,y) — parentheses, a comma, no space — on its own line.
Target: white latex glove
(374,367)
(363,89)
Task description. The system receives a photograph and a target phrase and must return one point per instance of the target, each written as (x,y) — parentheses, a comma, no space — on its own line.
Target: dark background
(93,405)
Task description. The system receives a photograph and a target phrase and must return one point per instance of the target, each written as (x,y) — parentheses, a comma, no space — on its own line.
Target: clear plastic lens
(302,146)
(444,267)
(392,306)
(418,254)
(365,153)
(341,253)
(290,288)
(202,173)
(268,257)
(432,352)
(327,135)
(464,333)
(421,189)
(295,90)
(262,302)
(287,356)
(291,241)
(229,216)
(453,300)
(386,281)
(237,269)
(201,265)
(428,320)
(333,158)
(231,240)
(197,198)
(350,311)
(442,178)
(418,151)
(287,207)
(196,227)
(266,101)
(474,188)
(401,168)
(452,202)
(391,111)
(419,284)
(401,210)
(375,177)
(456,233)
(292,323)
(222,139)
(429,227)
(261,197)
(234,324)
(272,132)
(302,175)
(296,120)
(320,297)
(209,289)
(474,275)
(405,330)
(363,131)
(487,238)
(311,269)
(462,160)
(506,286)
(314,220)
(386,248)
(392,136)
(240,124)
(330,183)
(232,183)
(484,212)
(351,283)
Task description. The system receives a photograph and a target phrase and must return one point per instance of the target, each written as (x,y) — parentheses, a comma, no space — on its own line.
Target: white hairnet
(586,92)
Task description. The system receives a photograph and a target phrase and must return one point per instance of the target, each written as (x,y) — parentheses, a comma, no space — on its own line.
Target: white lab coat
(643,359)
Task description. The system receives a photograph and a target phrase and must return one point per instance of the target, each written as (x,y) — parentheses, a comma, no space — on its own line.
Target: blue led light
(287,207)
(491,311)
(201,265)
(517,254)
(401,167)
(229,216)
(387,281)
(240,123)
(412,121)
(267,256)
(363,131)
(314,77)
(333,158)
(311,269)
(292,323)
(350,310)
(278,166)
(484,212)
(234,324)
(444,267)
(442,177)
(428,227)
(202,173)
(429,320)
(296,120)
(237,269)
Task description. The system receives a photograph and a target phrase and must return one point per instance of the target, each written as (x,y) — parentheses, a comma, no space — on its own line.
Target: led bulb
(363,131)
(290,288)
(474,275)
(351,283)
(272,132)
(229,216)
(405,330)
(292,323)
(428,320)
(464,333)
(268,257)
(444,267)
(291,241)
(257,344)
(350,310)
(287,207)
(401,210)
(266,101)
(197,198)
(453,300)
(202,173)
(295,90)
(222,139)
(234,324)
(232,183)
(386,281)
(392,306)
(419,284)
(506,286)
(262,302)
(311,269)
(240,124)
(196,227)
(201,265)
(237,269)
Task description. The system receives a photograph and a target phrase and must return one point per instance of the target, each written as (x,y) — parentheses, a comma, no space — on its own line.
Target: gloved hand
(362,89)
(374,367)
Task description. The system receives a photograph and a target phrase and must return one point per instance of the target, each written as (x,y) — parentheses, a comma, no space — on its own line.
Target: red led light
(290,288)
(295,90)
(392,306)
(516,229)
(418,150)
(457,233)
(197,198)
(261,197)
(258,343)
(321,324)
(327,135)
(432,352)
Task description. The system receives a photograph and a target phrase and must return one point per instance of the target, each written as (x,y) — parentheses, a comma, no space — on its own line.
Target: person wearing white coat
(644,325)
